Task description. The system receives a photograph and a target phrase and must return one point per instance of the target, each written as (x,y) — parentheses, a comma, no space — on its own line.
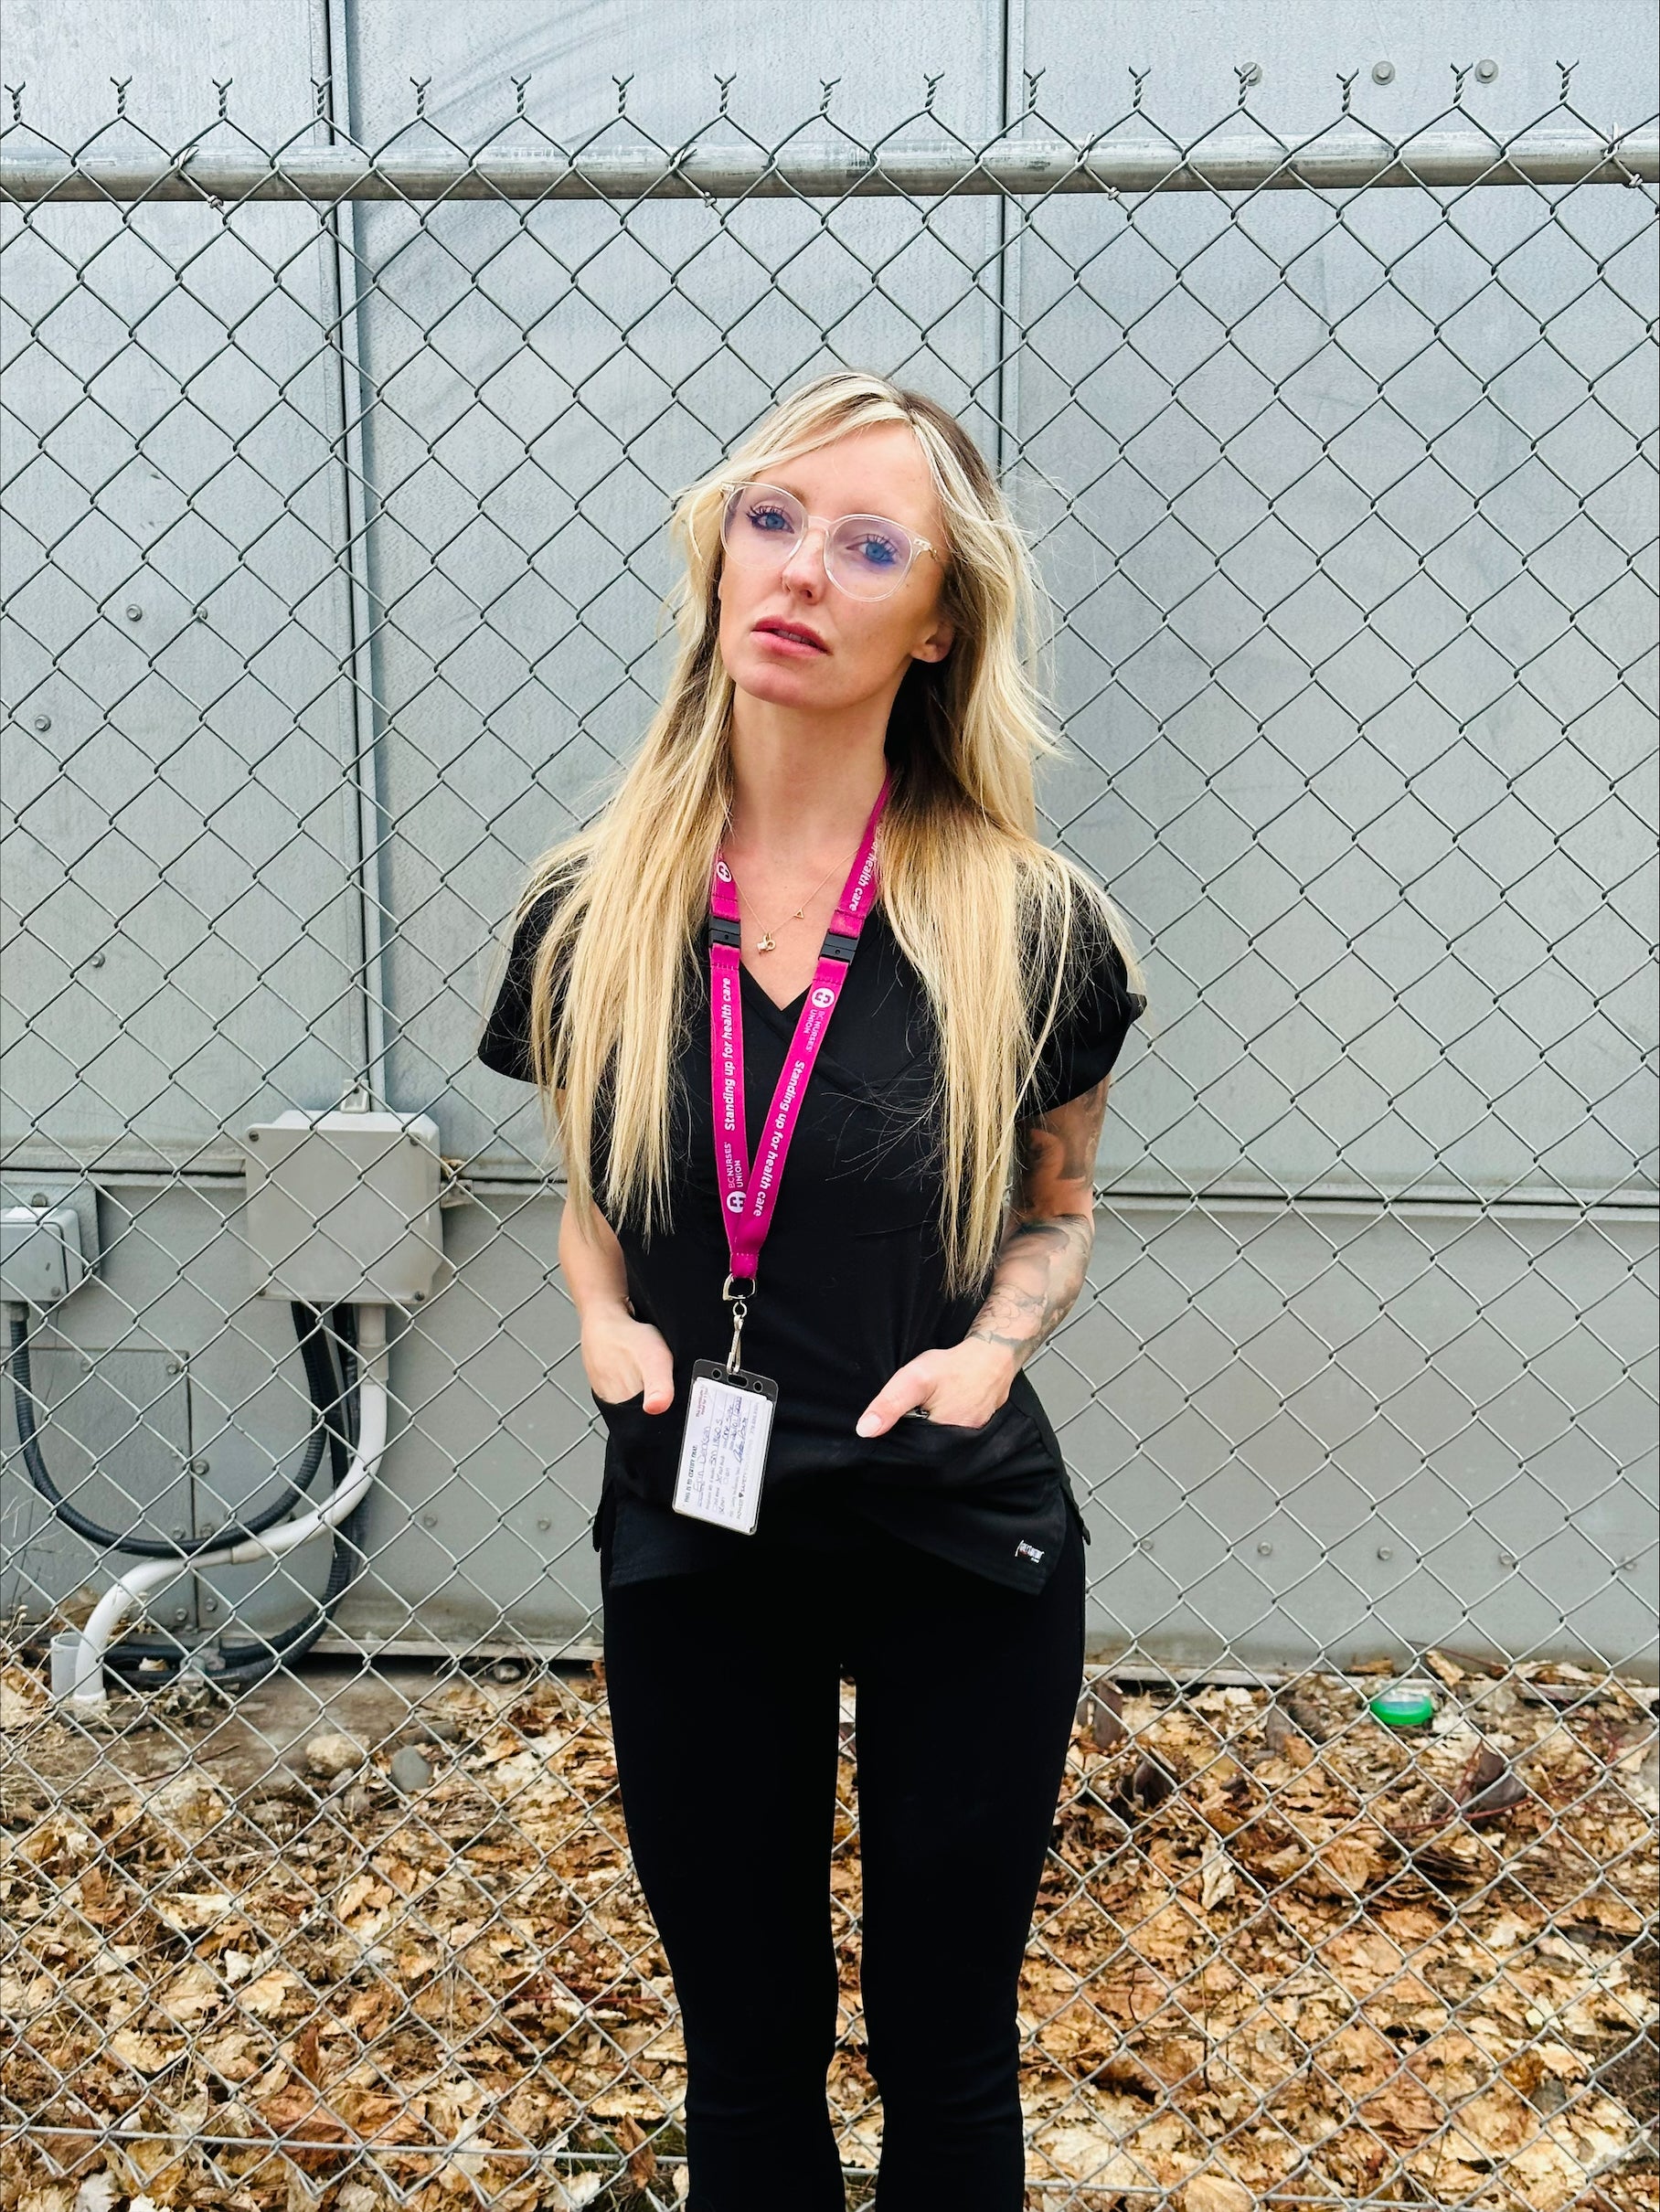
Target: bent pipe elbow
(132,1589)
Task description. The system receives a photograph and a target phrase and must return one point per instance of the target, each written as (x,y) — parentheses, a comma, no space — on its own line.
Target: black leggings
(724,1699)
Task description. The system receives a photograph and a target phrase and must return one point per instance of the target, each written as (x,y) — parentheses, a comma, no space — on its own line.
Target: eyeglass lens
(866,554)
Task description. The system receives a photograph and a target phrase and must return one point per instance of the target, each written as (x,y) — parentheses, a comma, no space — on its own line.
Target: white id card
(723,1453)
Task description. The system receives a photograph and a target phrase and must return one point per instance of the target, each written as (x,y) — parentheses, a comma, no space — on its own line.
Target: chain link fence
(334,486)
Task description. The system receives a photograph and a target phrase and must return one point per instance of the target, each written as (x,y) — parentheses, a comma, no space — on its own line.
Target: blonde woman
(824,1033)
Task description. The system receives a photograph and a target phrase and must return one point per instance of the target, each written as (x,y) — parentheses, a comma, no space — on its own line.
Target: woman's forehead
(861,471)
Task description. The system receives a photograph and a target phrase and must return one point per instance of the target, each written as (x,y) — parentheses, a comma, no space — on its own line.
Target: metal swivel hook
(738,1302)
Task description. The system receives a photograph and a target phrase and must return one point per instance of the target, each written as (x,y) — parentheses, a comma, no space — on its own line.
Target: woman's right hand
(622,1356)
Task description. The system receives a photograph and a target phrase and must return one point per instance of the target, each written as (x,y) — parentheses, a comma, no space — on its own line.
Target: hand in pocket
(625,1360)
(963,1387)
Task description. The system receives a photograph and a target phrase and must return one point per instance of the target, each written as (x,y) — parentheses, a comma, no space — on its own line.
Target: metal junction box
(41,1259)
(343,1205)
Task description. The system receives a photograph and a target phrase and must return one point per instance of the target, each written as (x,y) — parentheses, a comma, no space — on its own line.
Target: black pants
(724,1699)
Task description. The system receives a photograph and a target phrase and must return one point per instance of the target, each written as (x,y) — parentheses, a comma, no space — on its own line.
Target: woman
(819,877)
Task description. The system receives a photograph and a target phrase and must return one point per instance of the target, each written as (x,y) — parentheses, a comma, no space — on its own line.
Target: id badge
(723,1453)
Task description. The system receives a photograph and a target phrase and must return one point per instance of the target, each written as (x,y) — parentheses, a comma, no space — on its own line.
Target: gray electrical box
(41,1259)
(343,1205)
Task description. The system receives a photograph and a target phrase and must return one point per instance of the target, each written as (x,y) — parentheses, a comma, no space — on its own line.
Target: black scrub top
(850,1284)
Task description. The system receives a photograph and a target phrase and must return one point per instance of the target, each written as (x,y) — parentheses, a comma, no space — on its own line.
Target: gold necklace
(768,940)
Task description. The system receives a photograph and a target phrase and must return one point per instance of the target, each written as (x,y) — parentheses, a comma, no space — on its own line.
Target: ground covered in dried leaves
(1283,1955)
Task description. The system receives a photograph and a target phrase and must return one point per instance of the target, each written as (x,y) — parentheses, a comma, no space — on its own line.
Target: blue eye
(880,552)
(764,517)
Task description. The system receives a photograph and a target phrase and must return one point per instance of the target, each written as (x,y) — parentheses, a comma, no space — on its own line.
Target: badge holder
(728,1423)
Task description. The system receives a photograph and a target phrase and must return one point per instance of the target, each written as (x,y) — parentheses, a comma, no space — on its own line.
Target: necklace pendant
(766,944)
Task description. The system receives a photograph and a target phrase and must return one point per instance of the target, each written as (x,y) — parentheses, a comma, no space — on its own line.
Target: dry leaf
(143,2054)
(1217,1879)
(642,2158)
(1215,2193)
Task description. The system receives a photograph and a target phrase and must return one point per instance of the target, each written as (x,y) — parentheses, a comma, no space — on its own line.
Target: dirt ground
(371,1937)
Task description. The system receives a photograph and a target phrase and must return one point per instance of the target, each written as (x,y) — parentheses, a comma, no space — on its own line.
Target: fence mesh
(334,486)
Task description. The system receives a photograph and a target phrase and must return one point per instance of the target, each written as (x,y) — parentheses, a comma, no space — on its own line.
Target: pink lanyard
(747,1201)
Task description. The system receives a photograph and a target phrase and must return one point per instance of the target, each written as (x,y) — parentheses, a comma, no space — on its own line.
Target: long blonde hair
(988,916)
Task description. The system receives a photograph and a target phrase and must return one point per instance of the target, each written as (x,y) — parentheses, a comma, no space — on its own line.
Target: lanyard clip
(740,1304)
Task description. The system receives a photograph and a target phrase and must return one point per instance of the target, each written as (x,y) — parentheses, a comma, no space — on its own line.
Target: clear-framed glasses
(868,555)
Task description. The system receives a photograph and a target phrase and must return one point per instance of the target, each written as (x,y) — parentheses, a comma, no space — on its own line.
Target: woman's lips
(782,641)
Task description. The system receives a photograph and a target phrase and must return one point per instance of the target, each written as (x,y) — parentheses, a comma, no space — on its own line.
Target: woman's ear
(937,643)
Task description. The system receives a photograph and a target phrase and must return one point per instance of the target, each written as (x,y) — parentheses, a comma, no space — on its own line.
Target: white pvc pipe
(136,1587)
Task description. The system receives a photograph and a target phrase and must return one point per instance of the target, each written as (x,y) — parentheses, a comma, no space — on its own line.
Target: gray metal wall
(310,648)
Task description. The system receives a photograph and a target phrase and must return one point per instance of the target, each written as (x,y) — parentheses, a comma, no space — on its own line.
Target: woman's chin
(782,683)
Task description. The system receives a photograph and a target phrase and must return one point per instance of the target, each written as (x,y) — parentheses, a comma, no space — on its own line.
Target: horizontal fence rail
(1437,161)
(332,489)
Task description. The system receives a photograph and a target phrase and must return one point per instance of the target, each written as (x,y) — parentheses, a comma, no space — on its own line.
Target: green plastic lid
(1404,1705)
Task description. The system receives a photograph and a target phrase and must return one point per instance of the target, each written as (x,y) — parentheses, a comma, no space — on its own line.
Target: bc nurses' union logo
(824,996)
(724,872)
(734,1202)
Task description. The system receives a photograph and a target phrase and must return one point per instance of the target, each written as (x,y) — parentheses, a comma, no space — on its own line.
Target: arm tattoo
(1046,1244)
(1039,1274)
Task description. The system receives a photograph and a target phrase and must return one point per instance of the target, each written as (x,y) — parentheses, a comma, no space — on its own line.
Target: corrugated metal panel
(1348,669)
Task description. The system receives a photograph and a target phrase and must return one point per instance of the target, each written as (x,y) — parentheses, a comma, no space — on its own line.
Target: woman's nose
(816,568)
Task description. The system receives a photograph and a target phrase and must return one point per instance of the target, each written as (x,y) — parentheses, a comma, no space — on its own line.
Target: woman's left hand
(963,1386)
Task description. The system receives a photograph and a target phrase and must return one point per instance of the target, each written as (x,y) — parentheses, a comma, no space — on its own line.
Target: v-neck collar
(758,990)
(788,1013)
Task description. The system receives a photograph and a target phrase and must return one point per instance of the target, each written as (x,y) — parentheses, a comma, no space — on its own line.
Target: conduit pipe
(85,1686)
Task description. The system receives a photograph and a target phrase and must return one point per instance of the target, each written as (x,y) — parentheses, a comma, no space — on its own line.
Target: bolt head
(1385,1551)
(180,1617)
(1383,72)
(1485,71)
(43,722)
(1265,1549)
(1251,72)
(135,614)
